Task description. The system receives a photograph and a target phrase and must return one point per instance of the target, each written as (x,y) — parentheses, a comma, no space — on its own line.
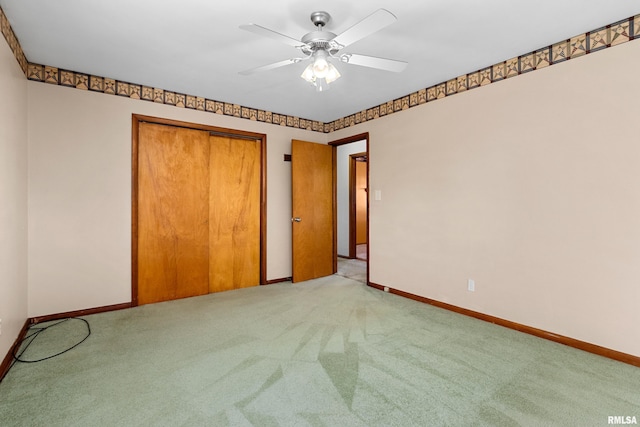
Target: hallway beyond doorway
(354,269)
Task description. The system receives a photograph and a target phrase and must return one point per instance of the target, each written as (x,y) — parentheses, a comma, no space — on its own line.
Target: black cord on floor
(38,331)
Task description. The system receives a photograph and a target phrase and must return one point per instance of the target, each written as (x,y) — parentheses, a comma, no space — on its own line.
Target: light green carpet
(329,352)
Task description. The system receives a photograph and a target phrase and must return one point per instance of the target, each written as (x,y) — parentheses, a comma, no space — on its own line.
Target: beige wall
(13,198)
(529,186)
(80,194)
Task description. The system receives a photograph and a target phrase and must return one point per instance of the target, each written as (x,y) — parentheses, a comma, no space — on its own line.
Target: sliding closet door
(173,213)
(199,212)
(234,218)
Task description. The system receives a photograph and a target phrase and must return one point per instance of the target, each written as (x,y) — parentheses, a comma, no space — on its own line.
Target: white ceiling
(195,46)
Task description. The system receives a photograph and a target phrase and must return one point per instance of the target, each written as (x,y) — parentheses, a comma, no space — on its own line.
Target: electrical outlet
(471,285)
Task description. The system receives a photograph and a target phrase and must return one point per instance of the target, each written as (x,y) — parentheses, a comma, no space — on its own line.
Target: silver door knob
(296,219)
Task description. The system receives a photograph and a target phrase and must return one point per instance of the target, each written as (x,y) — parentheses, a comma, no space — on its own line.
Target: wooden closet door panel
(234,219)
(173,213)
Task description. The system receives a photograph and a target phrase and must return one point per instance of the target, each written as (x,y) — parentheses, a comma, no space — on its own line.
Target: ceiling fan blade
(369,25)
(374,62)
(262,31)
(271,66)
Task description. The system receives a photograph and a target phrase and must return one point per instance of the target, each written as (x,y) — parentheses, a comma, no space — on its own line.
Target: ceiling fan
(319,46)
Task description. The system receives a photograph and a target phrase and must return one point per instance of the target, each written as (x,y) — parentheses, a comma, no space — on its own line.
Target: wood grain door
(198,214)
(234,213)
(313,208)
(361,201)
(173,213)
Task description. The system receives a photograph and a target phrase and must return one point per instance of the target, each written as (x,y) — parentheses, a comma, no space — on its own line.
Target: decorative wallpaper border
(57,76)
(583,44)
(12,41)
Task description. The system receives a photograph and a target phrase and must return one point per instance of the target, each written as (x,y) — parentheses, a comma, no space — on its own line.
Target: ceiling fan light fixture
(320,72)
(332,74)
(308,75)
(319,46)
(320,64)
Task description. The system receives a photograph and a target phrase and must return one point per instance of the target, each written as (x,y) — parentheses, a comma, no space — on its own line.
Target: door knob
(296,219)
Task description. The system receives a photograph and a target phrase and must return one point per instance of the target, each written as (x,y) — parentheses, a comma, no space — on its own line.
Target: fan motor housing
(318,37)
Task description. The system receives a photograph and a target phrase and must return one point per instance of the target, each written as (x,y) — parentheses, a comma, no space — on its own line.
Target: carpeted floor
(328,352)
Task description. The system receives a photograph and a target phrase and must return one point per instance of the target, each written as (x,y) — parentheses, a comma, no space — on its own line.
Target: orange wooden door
(234,213)
(313,208)
(173,213)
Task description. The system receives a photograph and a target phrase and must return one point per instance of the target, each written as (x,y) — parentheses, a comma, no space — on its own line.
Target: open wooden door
(313,208)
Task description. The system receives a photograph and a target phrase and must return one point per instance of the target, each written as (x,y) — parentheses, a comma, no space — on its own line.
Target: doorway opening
(358,206)
(352,206)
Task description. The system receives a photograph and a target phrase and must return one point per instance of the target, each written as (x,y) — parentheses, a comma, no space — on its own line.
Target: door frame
(136,119)
(335,144)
